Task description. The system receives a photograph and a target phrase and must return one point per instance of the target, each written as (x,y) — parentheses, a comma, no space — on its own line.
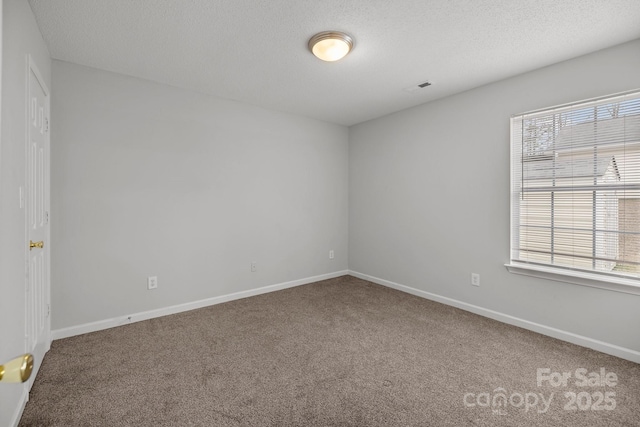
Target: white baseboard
(20,408)
(604,347)
(165,311)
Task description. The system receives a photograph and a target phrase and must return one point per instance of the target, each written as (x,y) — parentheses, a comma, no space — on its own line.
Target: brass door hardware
(33,244)
(17,370)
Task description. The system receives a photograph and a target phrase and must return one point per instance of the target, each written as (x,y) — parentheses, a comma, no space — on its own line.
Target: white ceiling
(255,51)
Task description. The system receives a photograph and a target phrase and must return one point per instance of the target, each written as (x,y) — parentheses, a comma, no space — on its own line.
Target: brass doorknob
(33,244)
(17,370)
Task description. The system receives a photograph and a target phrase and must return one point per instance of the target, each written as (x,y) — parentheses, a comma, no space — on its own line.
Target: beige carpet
(342,352)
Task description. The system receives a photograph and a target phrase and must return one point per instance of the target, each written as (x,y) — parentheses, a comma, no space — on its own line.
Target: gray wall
(21,36)
(152,180)
(429,198)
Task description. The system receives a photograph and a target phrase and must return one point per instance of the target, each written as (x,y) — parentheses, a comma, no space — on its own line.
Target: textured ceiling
(255,51)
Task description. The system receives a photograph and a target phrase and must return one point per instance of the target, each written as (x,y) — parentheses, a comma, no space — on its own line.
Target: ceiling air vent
(419,86)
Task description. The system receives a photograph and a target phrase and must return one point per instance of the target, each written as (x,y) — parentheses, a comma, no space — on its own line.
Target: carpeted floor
(341,352)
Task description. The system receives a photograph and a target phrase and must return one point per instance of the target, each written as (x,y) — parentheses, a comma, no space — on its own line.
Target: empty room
(320,213)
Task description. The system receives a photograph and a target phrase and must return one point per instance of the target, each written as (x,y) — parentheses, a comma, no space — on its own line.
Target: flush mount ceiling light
(330,45)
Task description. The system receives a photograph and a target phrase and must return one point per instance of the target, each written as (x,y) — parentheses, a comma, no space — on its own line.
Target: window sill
(617,284)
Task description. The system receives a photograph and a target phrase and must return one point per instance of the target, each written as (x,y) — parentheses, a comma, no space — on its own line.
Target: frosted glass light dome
(330,45)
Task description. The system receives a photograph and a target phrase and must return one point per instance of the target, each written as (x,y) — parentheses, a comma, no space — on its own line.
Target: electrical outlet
(331,255)
(475,279)
(254,267)
(152,282)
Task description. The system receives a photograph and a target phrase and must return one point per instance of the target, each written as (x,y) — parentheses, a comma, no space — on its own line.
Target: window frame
(595,279)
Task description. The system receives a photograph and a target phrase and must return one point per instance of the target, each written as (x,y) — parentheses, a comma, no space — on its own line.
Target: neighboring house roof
(606,132)
(581,167)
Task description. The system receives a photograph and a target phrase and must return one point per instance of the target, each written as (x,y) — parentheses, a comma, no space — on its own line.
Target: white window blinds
(575,182)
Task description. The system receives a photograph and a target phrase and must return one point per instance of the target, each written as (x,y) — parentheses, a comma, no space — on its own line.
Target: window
(575,199)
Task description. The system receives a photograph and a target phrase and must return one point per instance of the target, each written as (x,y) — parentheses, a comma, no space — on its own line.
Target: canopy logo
(499,401)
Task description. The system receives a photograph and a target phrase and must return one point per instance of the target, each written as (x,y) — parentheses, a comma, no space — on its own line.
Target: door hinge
(46,124)
(48,309)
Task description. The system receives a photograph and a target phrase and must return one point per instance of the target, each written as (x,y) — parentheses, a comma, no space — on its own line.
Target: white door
(37,217)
